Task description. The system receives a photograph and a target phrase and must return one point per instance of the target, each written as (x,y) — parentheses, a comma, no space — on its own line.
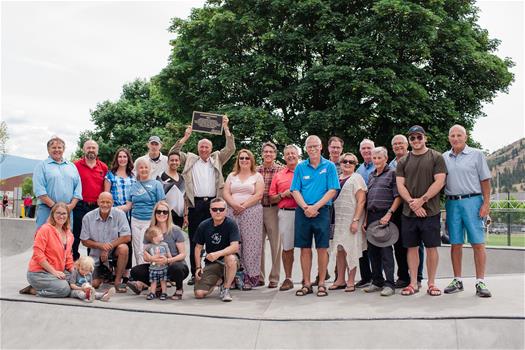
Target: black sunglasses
(418,137)
(348,162)
(163,212)
(244,158)
(217,209)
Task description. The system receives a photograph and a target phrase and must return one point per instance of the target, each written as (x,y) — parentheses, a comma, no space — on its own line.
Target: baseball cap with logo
(154,139)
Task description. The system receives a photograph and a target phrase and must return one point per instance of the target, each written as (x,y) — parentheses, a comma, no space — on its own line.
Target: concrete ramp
(16,235)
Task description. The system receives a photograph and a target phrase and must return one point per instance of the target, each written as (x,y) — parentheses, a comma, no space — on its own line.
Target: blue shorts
(463,215)
(308,228)
(158,275)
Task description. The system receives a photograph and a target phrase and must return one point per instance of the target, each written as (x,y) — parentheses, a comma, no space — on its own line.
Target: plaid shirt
(268,173)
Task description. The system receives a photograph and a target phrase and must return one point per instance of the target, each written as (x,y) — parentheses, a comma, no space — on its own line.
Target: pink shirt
(242,190)
(281,182)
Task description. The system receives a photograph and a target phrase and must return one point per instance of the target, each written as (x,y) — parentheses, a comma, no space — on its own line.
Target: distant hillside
(509,162)
(14,166)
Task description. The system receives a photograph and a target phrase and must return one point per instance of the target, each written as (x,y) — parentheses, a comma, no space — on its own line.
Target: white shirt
(156,167)
(204,178)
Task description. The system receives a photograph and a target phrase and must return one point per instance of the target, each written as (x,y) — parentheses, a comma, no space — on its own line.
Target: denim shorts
(307,228)
(463,217)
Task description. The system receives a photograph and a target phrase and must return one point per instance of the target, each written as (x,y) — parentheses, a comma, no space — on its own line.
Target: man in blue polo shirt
(468,202)
(314,185)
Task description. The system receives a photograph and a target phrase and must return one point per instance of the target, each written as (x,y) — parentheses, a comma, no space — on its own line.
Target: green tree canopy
(283,69)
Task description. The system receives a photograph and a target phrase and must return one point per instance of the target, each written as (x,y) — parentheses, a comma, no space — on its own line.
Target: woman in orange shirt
(52,259)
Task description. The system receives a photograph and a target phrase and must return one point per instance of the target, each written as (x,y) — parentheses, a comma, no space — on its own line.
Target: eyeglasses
(418,137)
(163,212)
(215,210)
(348,162)
(244,158)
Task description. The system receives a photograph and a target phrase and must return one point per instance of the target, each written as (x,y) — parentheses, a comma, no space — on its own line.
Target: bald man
(467,192)
(92,172)
(106,232)
(202,175)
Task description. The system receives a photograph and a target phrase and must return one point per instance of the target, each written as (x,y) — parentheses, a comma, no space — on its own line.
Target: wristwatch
(425,198)
(390,211)
(355,220)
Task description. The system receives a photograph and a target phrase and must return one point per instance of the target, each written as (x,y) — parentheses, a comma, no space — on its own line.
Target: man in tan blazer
(204,181)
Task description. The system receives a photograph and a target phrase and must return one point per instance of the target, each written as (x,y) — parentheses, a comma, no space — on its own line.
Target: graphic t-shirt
(216,238)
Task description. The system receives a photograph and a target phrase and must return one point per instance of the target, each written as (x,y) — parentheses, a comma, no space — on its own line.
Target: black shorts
(416,230)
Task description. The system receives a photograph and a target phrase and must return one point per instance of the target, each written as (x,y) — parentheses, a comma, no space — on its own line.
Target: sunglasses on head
(163,212)
(348,162)
(414,137)
(244,158)
(215,210)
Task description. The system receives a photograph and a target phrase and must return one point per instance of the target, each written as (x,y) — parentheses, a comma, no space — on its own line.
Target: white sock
(459,279)
(478,280)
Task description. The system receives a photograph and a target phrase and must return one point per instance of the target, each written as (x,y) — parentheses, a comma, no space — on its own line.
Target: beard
(91,155)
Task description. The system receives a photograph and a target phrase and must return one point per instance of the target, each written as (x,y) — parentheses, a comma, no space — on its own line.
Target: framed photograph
(210,123)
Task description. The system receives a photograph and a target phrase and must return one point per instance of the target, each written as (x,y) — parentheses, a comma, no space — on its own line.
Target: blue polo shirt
(465,170)
(313,183)
(365,169)
(60,181)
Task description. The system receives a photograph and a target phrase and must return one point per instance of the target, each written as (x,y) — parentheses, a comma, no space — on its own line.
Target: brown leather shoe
(287,285)
(272,285)
(27,290)
(260,283)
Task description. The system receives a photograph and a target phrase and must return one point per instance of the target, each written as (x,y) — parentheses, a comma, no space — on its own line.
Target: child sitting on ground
(157,253)
(80,282)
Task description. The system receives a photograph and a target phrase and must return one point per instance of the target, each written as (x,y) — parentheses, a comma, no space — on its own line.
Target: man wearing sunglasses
(420,177)
(220,236)
(203,179)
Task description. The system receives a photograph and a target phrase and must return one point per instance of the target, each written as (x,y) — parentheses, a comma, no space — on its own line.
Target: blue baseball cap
(416,129)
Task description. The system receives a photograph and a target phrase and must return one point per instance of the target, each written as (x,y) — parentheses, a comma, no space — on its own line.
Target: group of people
(130,217)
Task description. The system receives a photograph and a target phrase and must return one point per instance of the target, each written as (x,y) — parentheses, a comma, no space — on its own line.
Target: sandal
(433,291)
(134,288)
(121,288)
(321,291)
(350,289)
(304,291)
(336,287)
(163,296)
(150,296)
(177,295)
(409,290)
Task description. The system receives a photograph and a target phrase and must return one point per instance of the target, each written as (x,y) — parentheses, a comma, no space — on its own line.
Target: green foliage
(27,187)
(4,137)
(283,69)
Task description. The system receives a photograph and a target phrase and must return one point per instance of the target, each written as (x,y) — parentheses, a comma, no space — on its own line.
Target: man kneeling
(221,237)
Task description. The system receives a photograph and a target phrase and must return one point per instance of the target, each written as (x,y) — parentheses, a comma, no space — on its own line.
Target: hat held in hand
(382,235)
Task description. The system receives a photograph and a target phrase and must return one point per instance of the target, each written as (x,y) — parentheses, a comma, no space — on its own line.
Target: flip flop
(121,288)
(336,287)
(350,289)
(177,295)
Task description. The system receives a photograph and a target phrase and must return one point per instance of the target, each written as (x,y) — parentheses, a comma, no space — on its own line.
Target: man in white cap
(157,161)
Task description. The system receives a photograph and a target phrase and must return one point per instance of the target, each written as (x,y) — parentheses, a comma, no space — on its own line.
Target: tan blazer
(188,160)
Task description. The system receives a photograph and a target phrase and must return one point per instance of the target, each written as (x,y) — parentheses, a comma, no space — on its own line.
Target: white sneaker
(225,295)
(387,291)
(109,293)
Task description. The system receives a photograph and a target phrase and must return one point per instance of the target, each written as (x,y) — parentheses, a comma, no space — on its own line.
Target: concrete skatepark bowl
(266,318)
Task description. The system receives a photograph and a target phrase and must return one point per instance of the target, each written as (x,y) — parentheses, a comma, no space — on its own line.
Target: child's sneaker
(90,295)
(108,294)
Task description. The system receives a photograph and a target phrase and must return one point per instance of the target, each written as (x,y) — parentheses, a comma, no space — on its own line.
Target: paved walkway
(266,318)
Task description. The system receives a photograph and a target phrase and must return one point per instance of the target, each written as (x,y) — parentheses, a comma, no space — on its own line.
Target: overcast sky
(59,59)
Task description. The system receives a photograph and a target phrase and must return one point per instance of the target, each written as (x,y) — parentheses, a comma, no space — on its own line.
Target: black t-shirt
(216,238)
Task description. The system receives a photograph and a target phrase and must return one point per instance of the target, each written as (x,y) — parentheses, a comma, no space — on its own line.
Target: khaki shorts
(211,274)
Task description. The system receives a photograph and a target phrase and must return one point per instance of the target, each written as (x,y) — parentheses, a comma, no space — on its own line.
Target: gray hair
(457,126)
(365,141)
(269,144)
(294,147)
(402,137)
(380,150)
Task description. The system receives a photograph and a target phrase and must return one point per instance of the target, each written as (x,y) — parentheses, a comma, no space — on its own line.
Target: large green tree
(287,68)
(283,69)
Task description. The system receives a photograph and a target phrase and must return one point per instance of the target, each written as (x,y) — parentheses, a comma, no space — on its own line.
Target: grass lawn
(516,240)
